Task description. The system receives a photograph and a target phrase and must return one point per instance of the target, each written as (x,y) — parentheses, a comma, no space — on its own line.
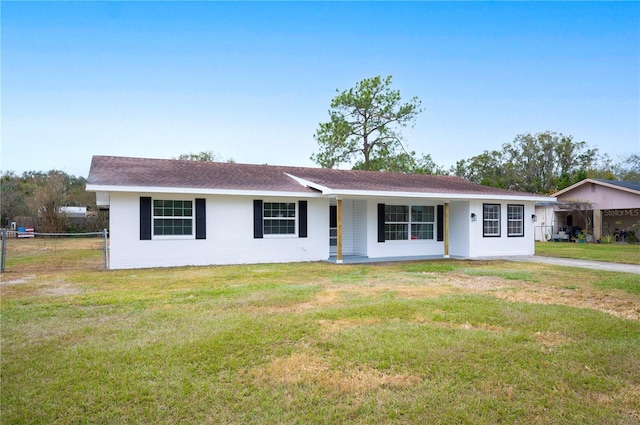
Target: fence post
(106,249)
(4,249)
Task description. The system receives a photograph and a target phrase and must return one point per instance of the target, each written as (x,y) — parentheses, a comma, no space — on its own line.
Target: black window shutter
(381,208)
(257,219)
(145,218)
(201,218)
(440,219)
(302,220)
(333,216)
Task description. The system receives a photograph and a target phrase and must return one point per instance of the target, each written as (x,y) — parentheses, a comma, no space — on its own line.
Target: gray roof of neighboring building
(625,184)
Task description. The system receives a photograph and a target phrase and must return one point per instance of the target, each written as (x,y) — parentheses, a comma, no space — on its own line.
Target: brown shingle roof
(169,173)
(122,171)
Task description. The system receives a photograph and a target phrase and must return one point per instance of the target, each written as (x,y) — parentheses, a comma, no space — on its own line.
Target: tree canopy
(37,193)
(364,128)
(539,163)
(205,156)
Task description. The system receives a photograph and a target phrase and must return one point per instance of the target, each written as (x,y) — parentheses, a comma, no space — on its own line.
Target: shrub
(632,233)
(607,239)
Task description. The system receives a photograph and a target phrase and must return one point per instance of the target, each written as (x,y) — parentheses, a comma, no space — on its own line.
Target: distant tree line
(39,196)
(544,163)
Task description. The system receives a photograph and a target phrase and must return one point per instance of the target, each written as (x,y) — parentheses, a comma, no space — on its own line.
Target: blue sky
(252,81)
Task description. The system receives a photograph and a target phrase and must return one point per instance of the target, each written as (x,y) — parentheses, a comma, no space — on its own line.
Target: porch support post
(446,230)
(339,230)
(597,225)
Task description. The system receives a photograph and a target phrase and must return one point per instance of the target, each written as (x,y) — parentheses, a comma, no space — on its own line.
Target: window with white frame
(491,220)
(279,218)
(515,220)
(172,217)
(403,222)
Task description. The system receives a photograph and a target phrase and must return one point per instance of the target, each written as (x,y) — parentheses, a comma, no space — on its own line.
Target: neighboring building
(74,212)
(174,213)
(595,205)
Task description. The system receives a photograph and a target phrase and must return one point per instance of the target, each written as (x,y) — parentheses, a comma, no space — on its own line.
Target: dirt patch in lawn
(16,281)
(333,326)
(304,368)
(60,288)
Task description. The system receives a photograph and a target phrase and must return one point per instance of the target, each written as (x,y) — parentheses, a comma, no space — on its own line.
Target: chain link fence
(26,251)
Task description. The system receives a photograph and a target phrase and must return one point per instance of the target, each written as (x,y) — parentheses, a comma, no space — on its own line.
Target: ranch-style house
(175,213)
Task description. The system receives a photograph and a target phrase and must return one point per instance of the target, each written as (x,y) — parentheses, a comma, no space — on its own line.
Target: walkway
(569,262)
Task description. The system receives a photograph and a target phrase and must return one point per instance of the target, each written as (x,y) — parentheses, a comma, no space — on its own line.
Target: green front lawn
(615,253)
(419,342)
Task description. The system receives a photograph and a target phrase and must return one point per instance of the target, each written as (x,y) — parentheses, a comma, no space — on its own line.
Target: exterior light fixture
(473,217)
(533,218)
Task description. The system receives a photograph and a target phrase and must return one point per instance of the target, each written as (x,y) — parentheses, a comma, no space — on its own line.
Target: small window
(515,220)
(172,218)
(279,218)
(491,220)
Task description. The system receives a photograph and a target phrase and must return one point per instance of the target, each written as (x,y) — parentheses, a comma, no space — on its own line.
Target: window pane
(168,208)
(422,214)
(422,231)
(491,228)
(169,226)
(279,209)
(515,228)
(396,232)
(279,227)
(417,213)
(396,213)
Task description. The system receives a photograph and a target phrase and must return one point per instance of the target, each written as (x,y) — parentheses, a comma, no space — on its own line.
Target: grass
(43,254)
(614,253)
(418,342)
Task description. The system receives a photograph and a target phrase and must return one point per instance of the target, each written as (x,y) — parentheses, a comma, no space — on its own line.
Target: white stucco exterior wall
(229,239)
(504,245)
(459,227)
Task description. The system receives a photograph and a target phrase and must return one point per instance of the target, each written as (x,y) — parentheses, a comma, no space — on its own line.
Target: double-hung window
(172,218)
(403,222)
(515,220)
(279,218)
(491,220)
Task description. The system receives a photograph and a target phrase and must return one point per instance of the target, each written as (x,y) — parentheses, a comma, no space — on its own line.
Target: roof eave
(199,191)
(601,183)
(435,195)
(324,192)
